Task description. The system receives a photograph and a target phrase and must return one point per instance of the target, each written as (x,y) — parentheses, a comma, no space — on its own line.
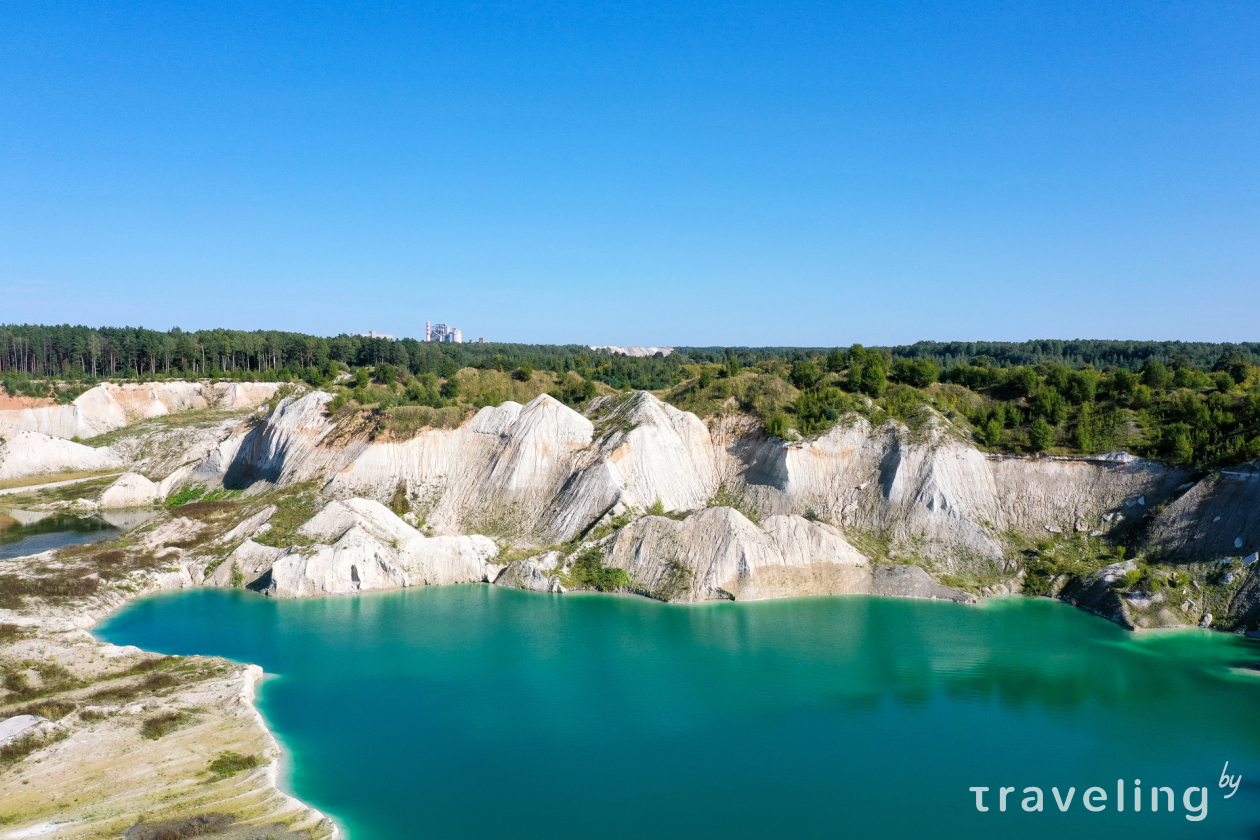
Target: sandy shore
(130,736)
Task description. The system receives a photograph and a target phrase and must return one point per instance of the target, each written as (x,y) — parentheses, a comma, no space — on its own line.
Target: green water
(479,712)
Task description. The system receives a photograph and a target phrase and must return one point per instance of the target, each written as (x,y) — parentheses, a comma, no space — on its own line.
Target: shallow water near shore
(480,712)
(54,532)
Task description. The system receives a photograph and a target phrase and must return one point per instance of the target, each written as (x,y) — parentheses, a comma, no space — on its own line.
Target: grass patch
(725,497)
(13,632)
(230,763)
(51,709)
(65,493)
(70,583)
(19,749)
(151,684)
(153,663)
(198,493)
(94,715)
(53,679)
(162,724)
(1074,555)
(200,418)
(30,481)
(406,421)
(208,509)
(676,580)
(877,546)
(294,507)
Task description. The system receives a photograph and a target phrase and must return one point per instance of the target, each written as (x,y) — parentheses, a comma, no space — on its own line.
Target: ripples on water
(477,712)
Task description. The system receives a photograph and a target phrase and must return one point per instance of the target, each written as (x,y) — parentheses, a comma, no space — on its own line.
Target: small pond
(30,532)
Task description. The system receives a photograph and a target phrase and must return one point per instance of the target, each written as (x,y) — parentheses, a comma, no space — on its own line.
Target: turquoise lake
(481,712)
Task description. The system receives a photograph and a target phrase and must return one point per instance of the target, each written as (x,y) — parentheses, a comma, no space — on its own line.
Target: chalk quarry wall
(743,516)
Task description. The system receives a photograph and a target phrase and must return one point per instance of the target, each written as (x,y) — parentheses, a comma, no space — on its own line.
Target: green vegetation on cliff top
(1182,402)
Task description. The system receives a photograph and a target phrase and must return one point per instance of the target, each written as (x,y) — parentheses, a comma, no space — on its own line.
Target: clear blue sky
(636,173)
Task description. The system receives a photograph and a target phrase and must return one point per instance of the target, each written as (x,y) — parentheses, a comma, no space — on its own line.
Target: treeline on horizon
(79,352)
(1183,402)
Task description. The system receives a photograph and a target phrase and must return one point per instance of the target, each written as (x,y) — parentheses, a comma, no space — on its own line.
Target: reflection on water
(826,717)
(30,532)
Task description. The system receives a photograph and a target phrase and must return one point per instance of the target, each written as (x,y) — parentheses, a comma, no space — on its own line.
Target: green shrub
(229,763)
(1041,435)
(776,425)
(588,572)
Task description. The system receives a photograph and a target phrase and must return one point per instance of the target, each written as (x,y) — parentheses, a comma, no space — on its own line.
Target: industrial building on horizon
(441,332)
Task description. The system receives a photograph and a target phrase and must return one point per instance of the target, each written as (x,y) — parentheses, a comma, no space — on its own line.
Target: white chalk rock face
(500,471)
(251,560)
(536,574)
(665,455)
(372,548)
(238,396)
(15,727)
(33,453)
(129,491)
(283,450)
(719,553)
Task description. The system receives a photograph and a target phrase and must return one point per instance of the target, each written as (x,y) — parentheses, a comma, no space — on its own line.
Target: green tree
(1022,380)
(835,361)
(706,377)
(1087,429)
(917,372)
(450,388)
(1081,386)
(525,372)
(386,374)
(1155,375)
(1123,383)
(1236,364)
(805,375)
(1041,435)
(874,376)
(1183,447)
(732,367)
(1049,403)
(992,434)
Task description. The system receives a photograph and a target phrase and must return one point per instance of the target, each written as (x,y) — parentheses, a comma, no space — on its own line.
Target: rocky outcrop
(35,453)
(1244,608)
(537,574)
(935,491)
(131,490)
(1096,593)
(1216,518)
(354,545)
(719,554)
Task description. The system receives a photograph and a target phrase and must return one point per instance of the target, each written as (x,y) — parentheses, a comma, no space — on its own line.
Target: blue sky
(637,173)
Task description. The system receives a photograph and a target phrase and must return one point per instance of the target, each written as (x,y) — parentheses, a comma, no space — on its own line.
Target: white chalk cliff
(746,517)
